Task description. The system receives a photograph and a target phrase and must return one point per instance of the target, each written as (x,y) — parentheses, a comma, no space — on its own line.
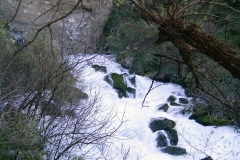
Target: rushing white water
(218,142)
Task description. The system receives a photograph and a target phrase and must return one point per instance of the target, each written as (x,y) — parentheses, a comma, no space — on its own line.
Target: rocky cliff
(78,32)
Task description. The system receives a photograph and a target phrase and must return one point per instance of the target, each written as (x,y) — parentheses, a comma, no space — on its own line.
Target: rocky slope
(78,32)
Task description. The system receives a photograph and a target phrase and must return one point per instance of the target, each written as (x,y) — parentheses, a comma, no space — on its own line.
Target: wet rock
(177,151)
(161,140)
(207,158)
(174,104)
(171,98)
(164,107)
(100,68)
(161,124)
(132,91)
(183,100)
(172,135)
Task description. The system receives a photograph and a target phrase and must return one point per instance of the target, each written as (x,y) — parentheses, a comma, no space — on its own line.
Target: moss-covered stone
(183,100)
(209,121)
(202,115)
(177,151)
(132,91)
(161,124)
(119,84)
(161,140)
(171,98)
(164,107)
(100,68)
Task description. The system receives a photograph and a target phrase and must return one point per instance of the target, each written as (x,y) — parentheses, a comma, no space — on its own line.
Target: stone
(183,100)
(172,135)
(119,84)
(171,98)
(100,68)
(161,140)
(133,80)
(164,107)
(161,124)
(207,158)
(202,115)
(132,91)
(108,80)
(176,151)
(174,103)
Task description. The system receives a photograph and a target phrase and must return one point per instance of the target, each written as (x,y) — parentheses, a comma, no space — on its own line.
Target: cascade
(158,128)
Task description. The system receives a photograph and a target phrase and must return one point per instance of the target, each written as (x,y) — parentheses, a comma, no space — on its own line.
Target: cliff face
(78,32)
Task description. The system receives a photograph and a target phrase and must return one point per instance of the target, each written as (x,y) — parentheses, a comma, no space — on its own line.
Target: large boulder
(202,115)
(79,32)
(176,151)
(161,124)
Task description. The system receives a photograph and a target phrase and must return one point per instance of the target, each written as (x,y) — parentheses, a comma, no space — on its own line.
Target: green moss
(119,84)
(208,121)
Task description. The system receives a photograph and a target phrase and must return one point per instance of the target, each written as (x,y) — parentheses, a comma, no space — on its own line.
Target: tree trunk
(202,41)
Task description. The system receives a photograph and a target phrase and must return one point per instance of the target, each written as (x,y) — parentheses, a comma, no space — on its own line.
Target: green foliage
(20,138)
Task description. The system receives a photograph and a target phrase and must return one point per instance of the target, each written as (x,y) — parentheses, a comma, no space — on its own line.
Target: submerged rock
(177,151)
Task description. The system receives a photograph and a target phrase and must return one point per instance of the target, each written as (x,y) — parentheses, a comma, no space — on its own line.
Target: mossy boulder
(161,124)
(199,110)
(176,151)
(171,98)
(202,115)
(100,68)
(209,121)
(117,81)
(164,107)
(183,100)
(161,140)
(119,84)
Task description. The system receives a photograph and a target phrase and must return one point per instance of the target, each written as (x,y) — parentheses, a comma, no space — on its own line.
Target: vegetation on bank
(43,115)
(132,39)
